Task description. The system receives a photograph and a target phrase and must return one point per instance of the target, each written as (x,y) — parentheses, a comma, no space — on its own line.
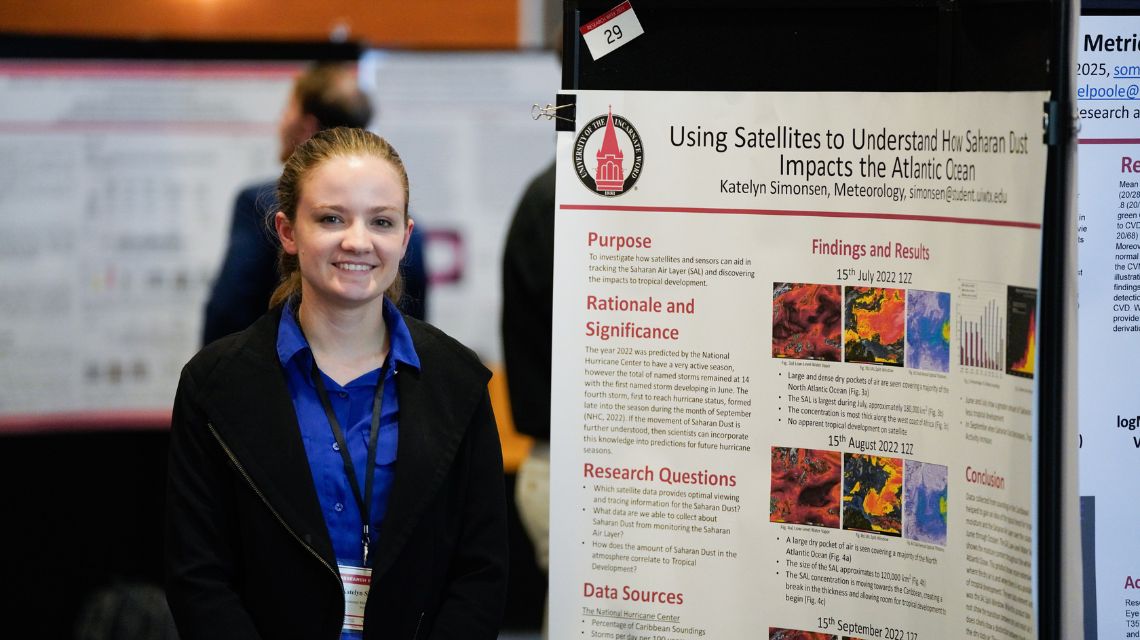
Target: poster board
(900,47)
(129,170)
(1107,229)
(749,435)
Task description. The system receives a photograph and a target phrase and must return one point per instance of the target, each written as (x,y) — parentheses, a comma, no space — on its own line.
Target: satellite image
(775,633)
(928,330)
(874,326)
(924,502)
(872,499)
(1021,335)
(805,487)
(807,321)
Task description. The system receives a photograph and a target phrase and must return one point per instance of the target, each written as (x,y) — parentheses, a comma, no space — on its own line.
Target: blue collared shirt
(352,404)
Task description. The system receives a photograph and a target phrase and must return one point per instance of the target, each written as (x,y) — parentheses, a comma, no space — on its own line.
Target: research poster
(1108,233)
(118,184)
(794,362)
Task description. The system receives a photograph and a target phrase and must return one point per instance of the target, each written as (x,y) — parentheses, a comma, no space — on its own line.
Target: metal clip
(1051,123)
(550,112)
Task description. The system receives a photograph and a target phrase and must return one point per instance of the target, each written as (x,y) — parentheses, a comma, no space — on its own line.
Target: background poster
(796,339)
(118,183)
(131,169)
(1108,233)
(462,124)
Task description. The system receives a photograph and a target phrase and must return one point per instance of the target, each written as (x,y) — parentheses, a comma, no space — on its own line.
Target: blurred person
(335,469)
(323,96)
(528,299)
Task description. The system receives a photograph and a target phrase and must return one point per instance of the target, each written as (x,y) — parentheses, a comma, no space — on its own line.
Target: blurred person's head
(324,96)
(342,219)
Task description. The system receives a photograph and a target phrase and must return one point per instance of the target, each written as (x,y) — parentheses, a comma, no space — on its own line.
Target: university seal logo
(615,163)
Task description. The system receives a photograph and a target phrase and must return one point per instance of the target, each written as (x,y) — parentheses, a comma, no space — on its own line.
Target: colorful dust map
(805,487)
(775,633)
(807,321)
(875,325)
(872,493)
(928,330)
(924,502)
(1021,334)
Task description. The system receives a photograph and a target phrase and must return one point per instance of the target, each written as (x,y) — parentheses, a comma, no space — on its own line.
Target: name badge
(356,582)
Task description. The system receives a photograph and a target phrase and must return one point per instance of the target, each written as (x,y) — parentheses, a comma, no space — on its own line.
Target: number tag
(611,30)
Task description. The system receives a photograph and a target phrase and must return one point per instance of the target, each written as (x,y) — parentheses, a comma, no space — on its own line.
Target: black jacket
(528,300)
(248,553)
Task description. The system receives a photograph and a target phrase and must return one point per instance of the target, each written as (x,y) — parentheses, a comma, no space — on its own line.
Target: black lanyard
(363,502)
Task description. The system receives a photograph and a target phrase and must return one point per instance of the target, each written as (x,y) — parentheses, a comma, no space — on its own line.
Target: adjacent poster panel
(794,365)
(1108,232)
(461,122)
(118,183)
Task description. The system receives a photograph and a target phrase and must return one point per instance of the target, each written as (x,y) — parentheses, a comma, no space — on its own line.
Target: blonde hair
(332,143)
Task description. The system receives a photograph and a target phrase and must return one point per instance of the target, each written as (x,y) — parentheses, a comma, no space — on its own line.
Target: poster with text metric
(1107,230)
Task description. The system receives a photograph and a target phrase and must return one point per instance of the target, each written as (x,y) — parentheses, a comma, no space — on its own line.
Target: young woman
(335,469)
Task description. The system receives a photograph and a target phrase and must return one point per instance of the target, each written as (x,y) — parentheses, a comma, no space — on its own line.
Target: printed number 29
(613,34)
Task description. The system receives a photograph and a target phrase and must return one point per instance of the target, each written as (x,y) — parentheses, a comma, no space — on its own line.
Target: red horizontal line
(141,420)
(1108,141)
(805,214)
